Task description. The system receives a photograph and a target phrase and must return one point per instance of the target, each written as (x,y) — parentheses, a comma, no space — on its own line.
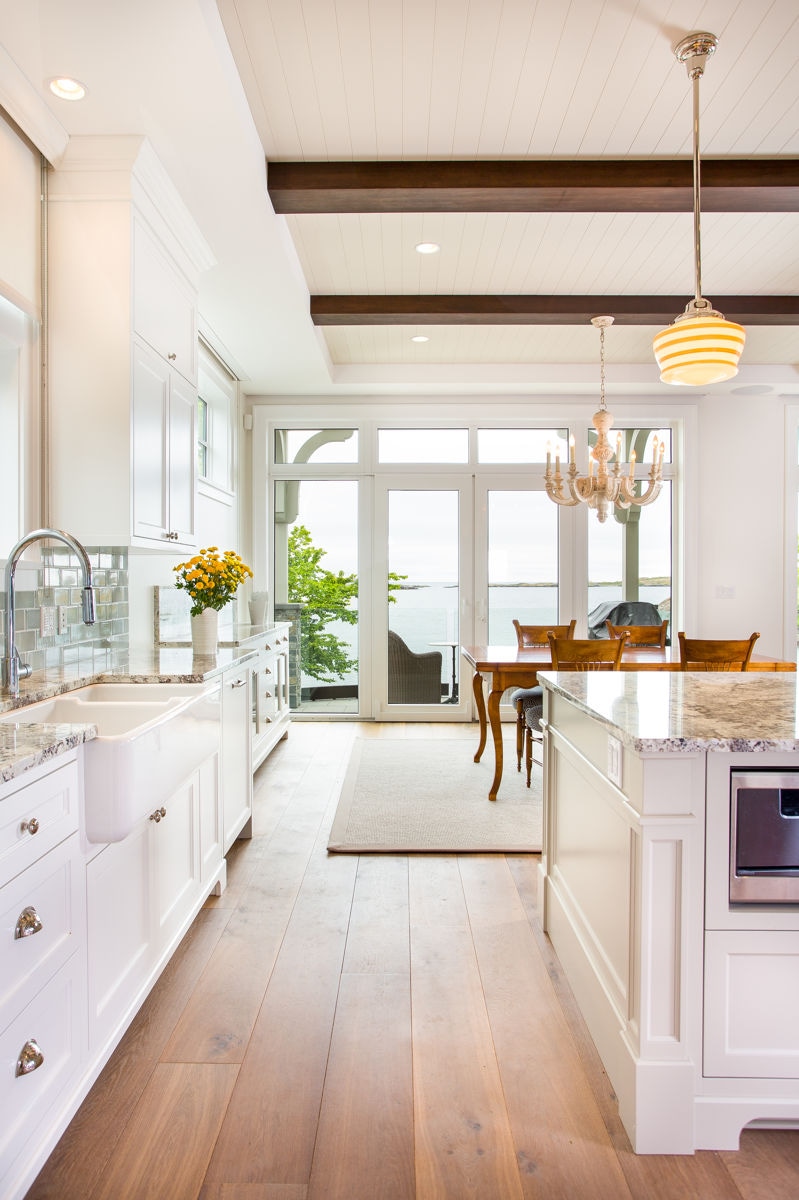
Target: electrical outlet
(62,618)
(46,621)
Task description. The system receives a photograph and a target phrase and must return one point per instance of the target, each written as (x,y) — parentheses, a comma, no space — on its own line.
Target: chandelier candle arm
(606,489)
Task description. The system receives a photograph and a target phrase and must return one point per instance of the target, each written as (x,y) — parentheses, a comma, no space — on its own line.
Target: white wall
(740,520)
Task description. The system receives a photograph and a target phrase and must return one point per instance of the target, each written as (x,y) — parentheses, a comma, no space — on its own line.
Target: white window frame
(218,387)
(542,414)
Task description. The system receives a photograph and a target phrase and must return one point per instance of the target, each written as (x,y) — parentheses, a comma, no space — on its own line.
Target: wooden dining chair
(536,635)
(641,635)
(528,636)
(573,654)
(715,654)
(587,654)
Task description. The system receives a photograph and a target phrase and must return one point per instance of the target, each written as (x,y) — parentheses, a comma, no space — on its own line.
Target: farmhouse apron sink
(150,737)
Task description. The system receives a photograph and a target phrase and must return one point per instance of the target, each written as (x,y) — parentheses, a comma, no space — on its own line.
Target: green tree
(326,596)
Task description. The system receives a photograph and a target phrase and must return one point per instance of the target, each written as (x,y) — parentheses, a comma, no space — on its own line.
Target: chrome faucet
(13,669)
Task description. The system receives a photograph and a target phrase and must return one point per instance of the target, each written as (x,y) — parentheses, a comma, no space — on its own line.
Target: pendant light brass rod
(697,190)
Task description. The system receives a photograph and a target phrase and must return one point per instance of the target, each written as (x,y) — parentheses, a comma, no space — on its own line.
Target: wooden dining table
(511,667)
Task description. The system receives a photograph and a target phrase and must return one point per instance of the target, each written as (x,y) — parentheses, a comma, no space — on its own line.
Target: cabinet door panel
(176,844)
(150,447)
(751,985)
(119,924)
(164,310)
(211,823)
(236,765)
(182,459)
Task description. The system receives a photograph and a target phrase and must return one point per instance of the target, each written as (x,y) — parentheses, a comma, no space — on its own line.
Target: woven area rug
(402,795)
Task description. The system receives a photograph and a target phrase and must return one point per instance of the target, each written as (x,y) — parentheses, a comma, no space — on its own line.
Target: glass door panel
(425,563)
(630,558)
(522,569)
(423,596)
(317,589)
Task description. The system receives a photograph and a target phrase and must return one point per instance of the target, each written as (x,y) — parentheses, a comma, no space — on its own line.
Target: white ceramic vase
(205,632)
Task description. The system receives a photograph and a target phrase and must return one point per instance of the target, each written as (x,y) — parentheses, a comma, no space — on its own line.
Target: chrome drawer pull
(158,814)
(28,923)
(30,827)
(30,1058)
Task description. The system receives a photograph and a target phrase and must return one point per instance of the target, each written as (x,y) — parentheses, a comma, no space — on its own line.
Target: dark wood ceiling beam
(540,310)
(651,185)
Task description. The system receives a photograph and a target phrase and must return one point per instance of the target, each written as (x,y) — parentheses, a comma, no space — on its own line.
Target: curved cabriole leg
(494,698)
(479,699)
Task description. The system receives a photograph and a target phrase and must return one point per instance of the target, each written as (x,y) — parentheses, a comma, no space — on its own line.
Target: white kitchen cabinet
(236,752)
(211,825)
(164,305)
(164,437)
(42,961)
(142,894)
(176,858)
(123,347)
(41,1056)
(751,986)
(270,712)
(120,905)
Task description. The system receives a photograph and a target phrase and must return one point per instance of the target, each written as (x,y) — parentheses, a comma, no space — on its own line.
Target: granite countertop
(23,746)
(668,712)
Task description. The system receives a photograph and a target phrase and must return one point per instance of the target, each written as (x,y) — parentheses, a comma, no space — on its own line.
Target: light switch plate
(614,760)
(46,621)
(62,618)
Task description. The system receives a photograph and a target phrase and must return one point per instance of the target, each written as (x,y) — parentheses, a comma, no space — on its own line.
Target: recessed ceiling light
(427,248)
(67,89)
(420,337)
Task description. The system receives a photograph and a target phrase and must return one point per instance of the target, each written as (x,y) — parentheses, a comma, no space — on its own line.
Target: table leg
(479,700)
(494,697)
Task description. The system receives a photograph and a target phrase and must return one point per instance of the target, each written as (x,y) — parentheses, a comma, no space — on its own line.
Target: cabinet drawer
(41,923)
(164,306)
(55,1020)
(47,804)
(751,986)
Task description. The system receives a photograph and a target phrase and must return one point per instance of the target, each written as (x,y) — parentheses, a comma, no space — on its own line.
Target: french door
(411,566)
(423,600)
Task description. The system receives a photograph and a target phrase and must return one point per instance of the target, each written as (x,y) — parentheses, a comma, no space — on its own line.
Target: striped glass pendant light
(700,346)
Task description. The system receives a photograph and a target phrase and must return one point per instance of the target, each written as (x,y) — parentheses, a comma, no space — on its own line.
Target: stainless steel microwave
(764,837)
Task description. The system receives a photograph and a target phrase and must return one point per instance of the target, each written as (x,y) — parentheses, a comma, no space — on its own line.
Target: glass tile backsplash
(56,584)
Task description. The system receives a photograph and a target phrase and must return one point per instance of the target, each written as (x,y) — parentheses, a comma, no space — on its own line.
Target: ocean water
(428,613)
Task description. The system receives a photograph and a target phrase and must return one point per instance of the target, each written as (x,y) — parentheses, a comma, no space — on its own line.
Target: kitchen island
(690,998)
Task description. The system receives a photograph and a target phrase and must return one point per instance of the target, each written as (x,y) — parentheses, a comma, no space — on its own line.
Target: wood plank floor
(370,1028)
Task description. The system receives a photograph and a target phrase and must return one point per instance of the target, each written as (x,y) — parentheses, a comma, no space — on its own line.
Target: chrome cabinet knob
(31,826)
(28,923)
(158,814)
(171,357)
(237,683)
(30,1058)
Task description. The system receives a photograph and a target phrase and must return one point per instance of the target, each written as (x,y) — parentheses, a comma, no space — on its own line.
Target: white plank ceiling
(489,79)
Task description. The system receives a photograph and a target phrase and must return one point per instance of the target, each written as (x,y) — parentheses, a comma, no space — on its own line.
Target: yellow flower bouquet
(211,578)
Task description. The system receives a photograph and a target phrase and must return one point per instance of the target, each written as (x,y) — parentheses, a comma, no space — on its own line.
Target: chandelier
(700,346)
(603,490)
